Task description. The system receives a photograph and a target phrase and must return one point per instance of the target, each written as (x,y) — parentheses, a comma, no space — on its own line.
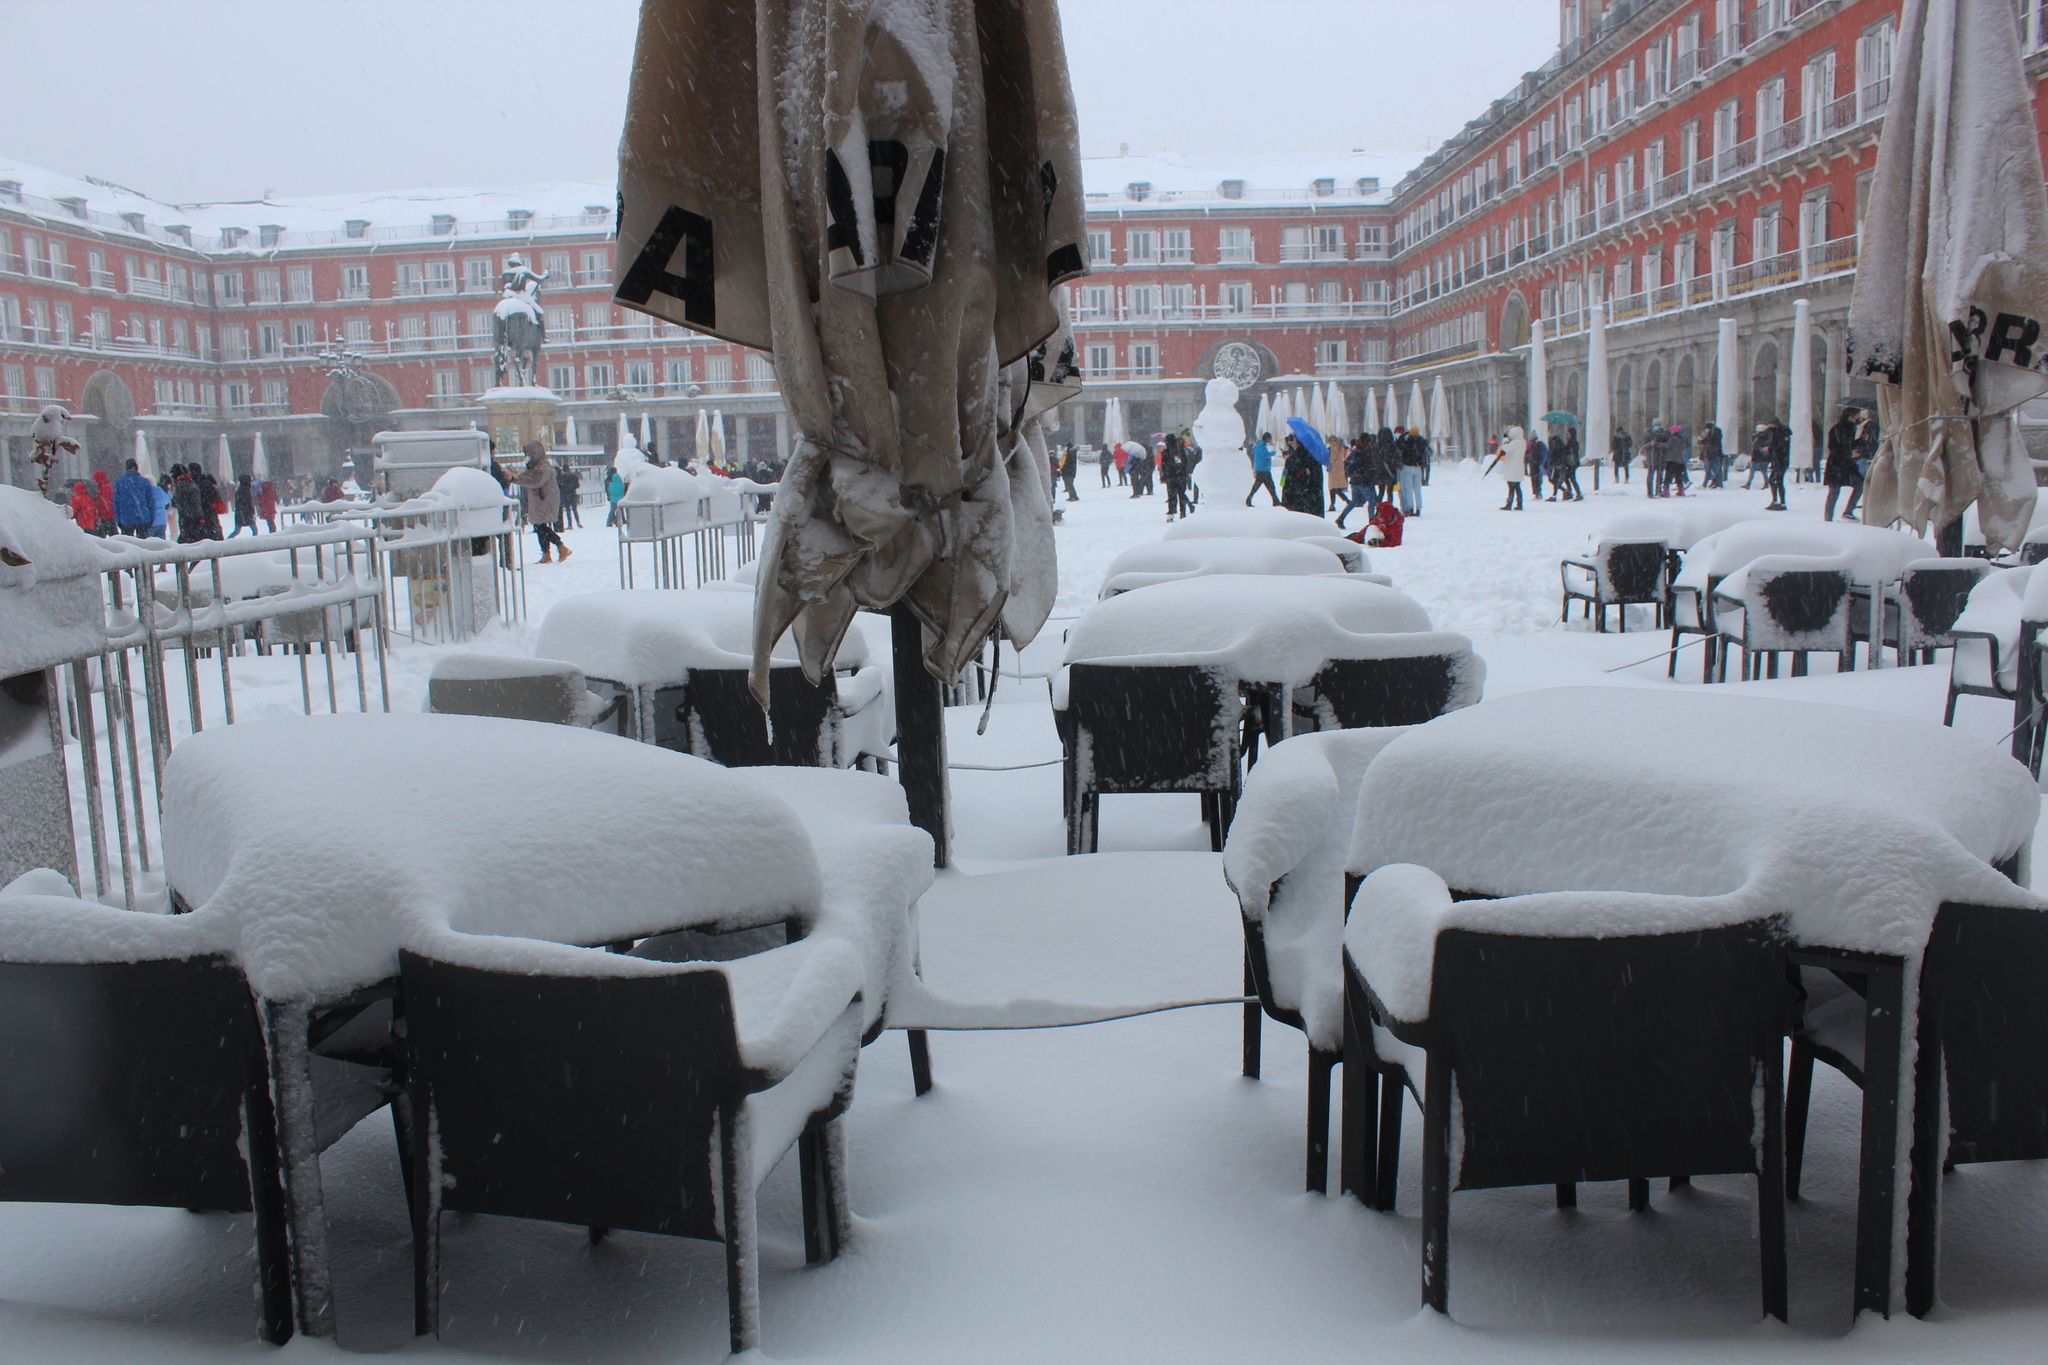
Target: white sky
(187,100)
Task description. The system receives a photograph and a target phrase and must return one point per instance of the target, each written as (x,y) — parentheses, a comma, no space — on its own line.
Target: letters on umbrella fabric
(886,196)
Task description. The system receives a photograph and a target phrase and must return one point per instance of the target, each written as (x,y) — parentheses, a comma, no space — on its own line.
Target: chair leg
(1567,1194)
(273,1246)
(1359,1118)
(1638,1194)
(1771,1189)
(1923,1193)
(1678,1182)
(742,1263)
(1320,1064)
(920,1060)
(1387,1168)
(1798,1097)
(1254,1020)
(815,1174)
(1436,1185)
(426,1239)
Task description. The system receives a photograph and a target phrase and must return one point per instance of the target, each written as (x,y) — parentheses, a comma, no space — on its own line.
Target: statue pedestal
(516,416)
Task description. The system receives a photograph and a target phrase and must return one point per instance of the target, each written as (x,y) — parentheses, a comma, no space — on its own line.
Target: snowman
(1219,431)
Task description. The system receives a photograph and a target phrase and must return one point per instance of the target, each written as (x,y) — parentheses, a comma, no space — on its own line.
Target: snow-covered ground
(1113,1192)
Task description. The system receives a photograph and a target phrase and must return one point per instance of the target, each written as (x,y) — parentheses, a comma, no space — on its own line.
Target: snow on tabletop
(321,845)
(1868,554)
(1294,822)
(1275,523)
(653,637)
(1164,561)
(1684,799)
(469,494)
(474,666)
(664,484)
(1255,627)
(1680,528)
(51,608)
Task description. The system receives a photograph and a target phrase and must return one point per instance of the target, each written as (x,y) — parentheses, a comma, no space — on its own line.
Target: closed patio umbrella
(1415,409)
(259,462)
(1952,276)
(717,436)
(1372,411)
(1599,404)
(572,429)
(889,207)
(1539,381)
(1439,417)
(1113,434)
(703,450)
(145,463)
(1318,409)
(1340,416)
(1263,423)
(1390,413)
(227,462)
(625,434)
(646,431)
(1283,409)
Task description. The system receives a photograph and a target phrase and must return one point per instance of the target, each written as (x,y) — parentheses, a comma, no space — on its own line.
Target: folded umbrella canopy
(1952,277)
(1310,438)
(885,196)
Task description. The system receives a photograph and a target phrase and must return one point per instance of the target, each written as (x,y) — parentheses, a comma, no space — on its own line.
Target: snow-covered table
(314,850)
(1594,812)
(1274,523)
(645,642)
(1167,561)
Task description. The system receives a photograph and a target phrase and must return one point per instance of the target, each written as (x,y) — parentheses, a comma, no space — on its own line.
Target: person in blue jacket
(134,508)
(1262,469)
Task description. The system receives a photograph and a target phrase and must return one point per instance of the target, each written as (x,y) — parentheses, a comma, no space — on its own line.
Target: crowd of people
(186,501)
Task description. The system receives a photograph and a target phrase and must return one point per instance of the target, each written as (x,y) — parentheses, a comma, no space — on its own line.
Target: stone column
(516,416)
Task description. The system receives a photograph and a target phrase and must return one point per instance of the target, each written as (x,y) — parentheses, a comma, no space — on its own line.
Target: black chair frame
(1628,573)
(1134,729)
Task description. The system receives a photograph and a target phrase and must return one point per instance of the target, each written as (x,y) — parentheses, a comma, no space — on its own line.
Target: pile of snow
(1599,812)
(51,601)
(1257,628)
(1194,557)
(654,637)
(1293,826)
(470,498)
(1349,551)
(665,484)
(1868,554)
(1275,523)
(1996,606)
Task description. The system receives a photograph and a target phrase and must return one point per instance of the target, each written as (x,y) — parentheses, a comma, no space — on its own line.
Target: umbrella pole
(920,733)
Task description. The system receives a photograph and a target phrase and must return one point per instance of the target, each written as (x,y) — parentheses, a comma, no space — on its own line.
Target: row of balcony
(1288,252)
(1224,315)
(1864,106)
(1768,21)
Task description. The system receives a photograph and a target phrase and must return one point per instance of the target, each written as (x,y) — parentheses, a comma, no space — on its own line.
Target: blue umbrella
(1311,440)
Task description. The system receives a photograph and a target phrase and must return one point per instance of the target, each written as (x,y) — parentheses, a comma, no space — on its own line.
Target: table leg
(305,1208)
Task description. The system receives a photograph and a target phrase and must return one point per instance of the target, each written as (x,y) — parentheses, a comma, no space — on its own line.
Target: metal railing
(664,528)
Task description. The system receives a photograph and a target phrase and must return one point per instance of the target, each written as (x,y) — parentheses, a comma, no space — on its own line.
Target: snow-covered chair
(1784,604)
(1987,641)
(1135,728)
(1561,1049)
(132,1059)
(1284,859)
(662,1110)
(1618,574)
(1404,680)
(1922,607)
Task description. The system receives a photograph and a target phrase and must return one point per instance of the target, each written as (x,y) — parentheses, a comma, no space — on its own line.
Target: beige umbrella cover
(885,197)
(1415,409)
(703,454)
(1952,277)
(1439,416)
(1262,425)
(1372,410)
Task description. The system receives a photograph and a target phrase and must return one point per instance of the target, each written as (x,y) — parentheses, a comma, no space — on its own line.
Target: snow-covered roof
(391,216)
(1268,180)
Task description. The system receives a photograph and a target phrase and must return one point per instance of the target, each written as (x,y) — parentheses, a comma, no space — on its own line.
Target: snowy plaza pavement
(1114,1192)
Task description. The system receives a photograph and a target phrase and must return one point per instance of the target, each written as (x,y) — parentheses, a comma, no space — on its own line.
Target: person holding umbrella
(1302,489)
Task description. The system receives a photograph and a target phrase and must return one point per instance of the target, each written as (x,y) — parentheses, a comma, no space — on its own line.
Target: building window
(1099,361)
(166,392)
(759,370)
(275,394)
(269,340)
(1098,249)
(270,286)
(238,395)
(96,265)
(355,283)
(561,323)
(597,377)
(17,381)
(597,269)
(1329,291)
(440,277)
(1140,248)
(102,326)
(447,384)
(1236,297)
(412,332)
(562,378)
(482,377)
(718,370)
(227,288)
(1293,244)
(1144,358)
(1234,244)
(479,275)
(1329,243)
(299,284)
(441,327)
(677,373)
(1179,299)
(1144,301)
(1174,245)
(1095,301)
(480,326)
(556,264)
(596,316)
(640,375)
(1330,352)
(46,382)
(355,330)
(302,333)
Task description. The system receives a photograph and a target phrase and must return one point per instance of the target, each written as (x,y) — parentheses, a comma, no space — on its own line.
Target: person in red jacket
(85,508)
(1388,519)
(266,504)
(103,494)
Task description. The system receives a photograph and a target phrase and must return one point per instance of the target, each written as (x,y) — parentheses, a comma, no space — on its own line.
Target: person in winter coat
(1139,465)
(1262,470)
(614,489)
(159,511)
(134,508)
(1174,470)
(1564,468)
(1840,469)
(1514,466)
(1302,475)
(1386,463)
(103,494)
(1676,456)
(210,505)
(1106,462)
(84,507)
(1778,461)
(185,496)
(266,503)
(1360,478)
(1385,529)
(1713,457)
(569,484)
(1536,458)
(1413,452)
(543,500)
(1621,448)
(245,507)
(1121,455)
(1070,465)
